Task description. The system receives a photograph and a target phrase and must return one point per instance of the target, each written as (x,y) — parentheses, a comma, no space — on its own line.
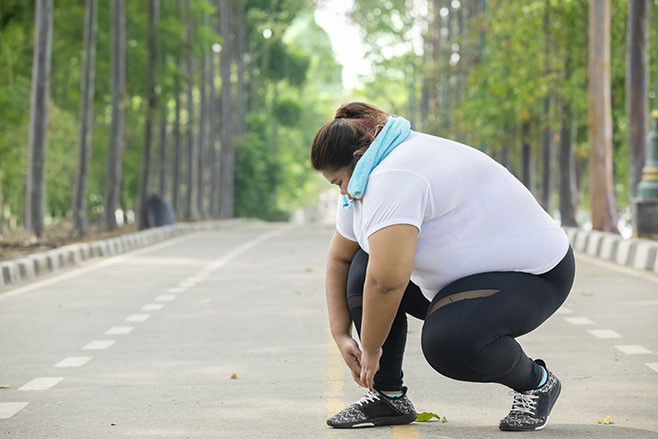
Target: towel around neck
(392,134)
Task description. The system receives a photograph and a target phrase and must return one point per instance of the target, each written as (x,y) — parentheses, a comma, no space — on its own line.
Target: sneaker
(375,409)
(530,409)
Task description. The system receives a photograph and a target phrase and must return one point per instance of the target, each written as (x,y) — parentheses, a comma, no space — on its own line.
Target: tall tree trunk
(602,196)
(116,146)
(162,186)
(177,147)
(567,159)
(87,119)
(527,158)
(436,63)
(151,107)
(213,116)
(240,55)
(190,208)
(547,134)
(227,164)
(203,115)
(637,86)
(35,184)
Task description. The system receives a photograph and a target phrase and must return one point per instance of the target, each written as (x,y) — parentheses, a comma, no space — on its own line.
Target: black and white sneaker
(375,409)
(530,409)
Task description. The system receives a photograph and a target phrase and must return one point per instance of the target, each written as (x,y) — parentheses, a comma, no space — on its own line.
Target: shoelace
(524,403)
(369,397)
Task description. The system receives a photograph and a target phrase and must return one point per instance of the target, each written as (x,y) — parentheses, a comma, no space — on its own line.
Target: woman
(448,235)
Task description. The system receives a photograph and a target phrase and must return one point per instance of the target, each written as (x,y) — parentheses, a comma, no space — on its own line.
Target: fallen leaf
(426,416)
(607,420)
(308,270)
(444,420)
(234,376)
(4,386)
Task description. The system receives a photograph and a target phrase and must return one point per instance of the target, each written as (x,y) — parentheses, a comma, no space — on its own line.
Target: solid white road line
(42,383)
(579,320)
(653,366)
(137,317)
(176,290)
(98,345)
(73,362)
(633,349)
(564,310)
(152,306)
(9,409)
(165,298)
(119,330)
(604,333)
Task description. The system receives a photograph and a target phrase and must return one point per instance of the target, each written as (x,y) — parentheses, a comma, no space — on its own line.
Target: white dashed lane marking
(137,318)
(9,409)
(579,320)
(165,298)
(119,330)
(152,306)
(652,366)
(564,310)
(176,290)
(73,362)
(98,345)
(633,349)
(42,383)
(604,333)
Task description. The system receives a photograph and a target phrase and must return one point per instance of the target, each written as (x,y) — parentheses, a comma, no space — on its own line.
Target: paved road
(235,344)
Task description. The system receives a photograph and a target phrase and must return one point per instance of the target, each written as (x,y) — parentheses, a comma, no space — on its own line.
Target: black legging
(470,325)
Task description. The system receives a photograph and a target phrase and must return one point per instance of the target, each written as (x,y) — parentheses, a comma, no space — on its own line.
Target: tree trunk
(436,63)
(162,187)
(203,115)
(213,109)
(87,119)
(190,208)
(567,159)
(527,158)
(637,86)
(547,134)
(241,51)
(116,146)
(227,165)
(602,196)
(35,184)
(151,107)
(177,148)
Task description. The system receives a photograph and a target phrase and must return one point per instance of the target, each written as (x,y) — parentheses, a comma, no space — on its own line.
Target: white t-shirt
(473,215)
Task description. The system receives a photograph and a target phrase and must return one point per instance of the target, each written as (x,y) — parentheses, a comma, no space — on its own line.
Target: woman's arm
(341,253)
(392,252)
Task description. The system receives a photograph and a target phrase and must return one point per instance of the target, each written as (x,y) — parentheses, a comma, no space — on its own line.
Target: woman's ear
(357,154)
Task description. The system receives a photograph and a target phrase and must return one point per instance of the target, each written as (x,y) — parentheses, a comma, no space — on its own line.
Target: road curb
(16,271)
(641,254)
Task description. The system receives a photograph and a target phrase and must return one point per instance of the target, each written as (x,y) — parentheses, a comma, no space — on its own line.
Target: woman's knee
(357,275)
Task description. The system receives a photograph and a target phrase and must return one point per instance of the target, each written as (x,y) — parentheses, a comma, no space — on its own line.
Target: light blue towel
(394,132)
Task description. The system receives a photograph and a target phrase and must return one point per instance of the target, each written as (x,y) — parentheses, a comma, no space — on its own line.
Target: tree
(117,140)
(602,196)
(227,160)
(151,108)
(176,181)
(637,87)
(35,185)
(190,207)
(86,118)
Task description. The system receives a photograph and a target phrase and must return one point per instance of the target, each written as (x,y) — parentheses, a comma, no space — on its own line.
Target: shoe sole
(541,427)
(378,422)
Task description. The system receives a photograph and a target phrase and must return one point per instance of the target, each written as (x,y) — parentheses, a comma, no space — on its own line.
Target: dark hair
(354,128)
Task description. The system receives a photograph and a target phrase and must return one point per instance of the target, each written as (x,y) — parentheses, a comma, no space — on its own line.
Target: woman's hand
(351,353)
(369,367)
